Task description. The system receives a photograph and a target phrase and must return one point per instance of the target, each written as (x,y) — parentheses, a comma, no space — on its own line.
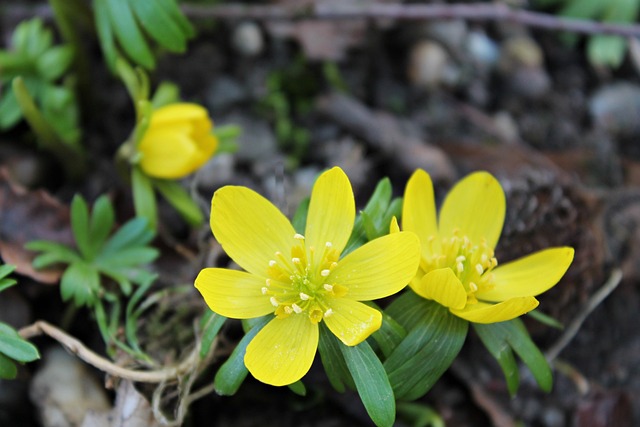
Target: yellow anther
(298,236)
(327,287)
(268,281)
(325,273)
(479,269)
(264,290)
(272,263)
(473,287)
(296,308)
(274,301)
(460,267)
(328,244)
(303,296)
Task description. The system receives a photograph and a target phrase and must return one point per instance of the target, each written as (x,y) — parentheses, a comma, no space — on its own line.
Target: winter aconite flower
(177,142)
(301,279)
(458,268)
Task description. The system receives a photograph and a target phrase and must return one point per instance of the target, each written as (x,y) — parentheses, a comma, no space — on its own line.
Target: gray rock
(247,39)
(224,92)
(616,108)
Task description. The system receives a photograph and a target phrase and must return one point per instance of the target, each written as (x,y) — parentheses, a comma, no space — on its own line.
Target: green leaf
(133,232)
(332,360)
(13,346)
(128,33)
(375,208)
(606,50)
(545,319)
(210,332)
(53,63)
(8,369)
(166,93)
(434,339)
(158,23)
(80,226)
(172,9)
(6,282)
(390,334)
(299,221)
(371,382)
(298,388)
(101,224)
(513,334)
(144,199)
(232,373)
(177,196)
(10,112)
(105,33)
(496,344)
(81,282)
(127,257)
(47,259)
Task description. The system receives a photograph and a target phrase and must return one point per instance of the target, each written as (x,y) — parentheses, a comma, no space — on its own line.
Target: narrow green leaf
(513,334)
(210,332)
(133,233)
(371,382)
(6,284)
(10,112)
(172,9)
(232,373)
(8,369)
(298,388)
(158,23)
(177,196)
(166,93)
(144,199)
(50,258)
(545,319)
(390,334)
(80,282)
(434,339)
(53,63)
(375,207)
(80,226)
(13,346)
(6,269)
(127,257)
(299,221)
(101,223)
(128,33)
(501,351)
(105,33)
(332,360)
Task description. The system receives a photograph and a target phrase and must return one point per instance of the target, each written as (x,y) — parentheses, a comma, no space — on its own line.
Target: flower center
(300,284)
(471,262)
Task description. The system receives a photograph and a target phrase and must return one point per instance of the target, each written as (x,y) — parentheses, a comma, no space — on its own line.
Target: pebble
(616,108)
(223,93)
(430,65)
(521,64)
(482,50)
(247,39)
(64,391)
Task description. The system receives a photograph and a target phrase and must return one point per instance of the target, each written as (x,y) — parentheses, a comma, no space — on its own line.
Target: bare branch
(496,12)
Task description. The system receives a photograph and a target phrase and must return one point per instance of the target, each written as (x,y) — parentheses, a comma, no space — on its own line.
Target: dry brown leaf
(30,215)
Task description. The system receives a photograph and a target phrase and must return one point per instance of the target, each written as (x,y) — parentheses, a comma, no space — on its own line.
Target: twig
(470,12)
(76,347)
(576,323)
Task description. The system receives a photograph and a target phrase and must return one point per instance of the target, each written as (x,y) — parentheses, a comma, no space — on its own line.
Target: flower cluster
(302,280)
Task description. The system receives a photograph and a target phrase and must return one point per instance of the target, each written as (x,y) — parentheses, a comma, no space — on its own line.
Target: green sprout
(129,26)
(118,257)
(12,347)
(32,74)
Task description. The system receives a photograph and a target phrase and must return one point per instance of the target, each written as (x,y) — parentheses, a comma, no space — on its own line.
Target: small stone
(430,65)
(615,108)
(224,93)
(247,39)
(483,50)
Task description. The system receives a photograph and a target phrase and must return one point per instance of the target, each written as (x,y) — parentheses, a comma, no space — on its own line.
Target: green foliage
(602,50)
(32,74)
(502,339)
(12,347)
(118,256)
(133,27)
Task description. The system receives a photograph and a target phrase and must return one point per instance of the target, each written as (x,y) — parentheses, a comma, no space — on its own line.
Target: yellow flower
(177,142)
(458,268)
(301,279)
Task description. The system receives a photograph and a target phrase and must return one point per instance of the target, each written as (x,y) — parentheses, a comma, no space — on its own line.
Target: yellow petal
(379,268)
(493,313)
(249,228)
(528,276)
(419,212)
(169,154)
(352,321)
(331,211)
(444,287)
(393,226)
(283,351)
(476,206)
(180,112)
(233,293)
